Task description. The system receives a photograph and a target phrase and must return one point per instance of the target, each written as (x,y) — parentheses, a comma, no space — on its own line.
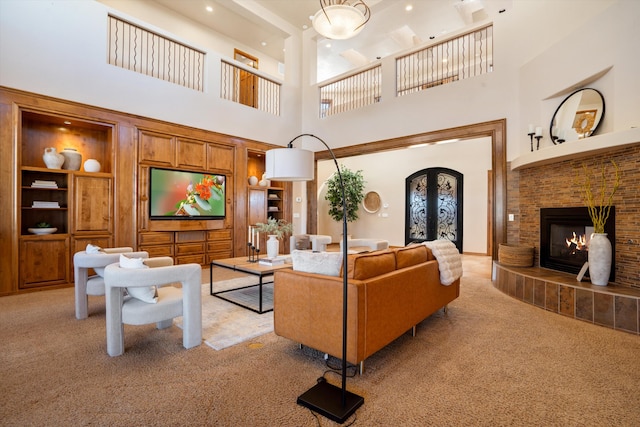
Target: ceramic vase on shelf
(273,246)
(599,259)
(72,159)
(253,180)
(92,165)
(52,159)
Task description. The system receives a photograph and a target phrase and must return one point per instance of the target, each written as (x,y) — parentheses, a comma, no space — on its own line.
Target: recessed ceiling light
(328,45)
(408,7)
(209,9)
(67,122)
(305,26)
(263,43)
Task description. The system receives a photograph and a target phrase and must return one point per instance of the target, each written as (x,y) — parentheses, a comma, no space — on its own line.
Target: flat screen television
(176,194)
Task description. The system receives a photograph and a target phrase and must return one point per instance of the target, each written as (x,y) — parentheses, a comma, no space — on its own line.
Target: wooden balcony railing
(462,57)
(143,51)
(239,84)
(355,91)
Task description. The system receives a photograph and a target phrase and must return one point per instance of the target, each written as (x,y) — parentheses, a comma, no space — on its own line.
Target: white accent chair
(86,285)
(318,242)
(171,302)
(372,244)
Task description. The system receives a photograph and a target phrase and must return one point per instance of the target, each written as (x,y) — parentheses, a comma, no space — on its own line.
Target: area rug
(225,324)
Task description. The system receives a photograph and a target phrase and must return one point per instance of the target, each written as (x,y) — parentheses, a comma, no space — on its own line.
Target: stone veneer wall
(557,185)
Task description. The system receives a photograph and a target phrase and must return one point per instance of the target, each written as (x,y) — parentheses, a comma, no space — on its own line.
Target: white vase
(599,259)
(273,246)
(72,159)
(52,159)
(92,165)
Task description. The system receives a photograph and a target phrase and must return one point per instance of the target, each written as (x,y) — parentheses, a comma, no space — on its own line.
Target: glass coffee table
(251,268)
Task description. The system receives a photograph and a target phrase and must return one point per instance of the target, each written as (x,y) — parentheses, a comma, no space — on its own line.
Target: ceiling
(263,25)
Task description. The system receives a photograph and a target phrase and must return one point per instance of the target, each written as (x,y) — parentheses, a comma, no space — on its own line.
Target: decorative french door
(434,206)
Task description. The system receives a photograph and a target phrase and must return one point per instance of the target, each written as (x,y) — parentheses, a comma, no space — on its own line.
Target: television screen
(181,195)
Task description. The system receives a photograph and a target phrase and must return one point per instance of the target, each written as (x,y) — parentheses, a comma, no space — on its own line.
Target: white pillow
(93,249)
(148,294)
(326,263)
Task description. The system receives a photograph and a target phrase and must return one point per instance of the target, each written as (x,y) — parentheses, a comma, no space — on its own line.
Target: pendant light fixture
(341,19)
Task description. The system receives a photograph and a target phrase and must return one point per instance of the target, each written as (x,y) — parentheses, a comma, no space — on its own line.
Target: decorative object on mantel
(72,159)
(52,159)
(578,116)
(599,206)
(515,256)
(253,180)
(535,132)
(92,165)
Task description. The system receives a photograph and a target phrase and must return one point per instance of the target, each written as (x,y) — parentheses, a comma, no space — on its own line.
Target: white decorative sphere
(92,165)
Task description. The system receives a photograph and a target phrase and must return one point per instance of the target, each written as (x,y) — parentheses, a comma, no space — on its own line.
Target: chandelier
(341,19)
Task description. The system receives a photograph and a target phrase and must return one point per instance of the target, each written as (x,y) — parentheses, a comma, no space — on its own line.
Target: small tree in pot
(353,190)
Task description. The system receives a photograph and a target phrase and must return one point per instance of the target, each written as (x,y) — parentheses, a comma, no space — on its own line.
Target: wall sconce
(535,132)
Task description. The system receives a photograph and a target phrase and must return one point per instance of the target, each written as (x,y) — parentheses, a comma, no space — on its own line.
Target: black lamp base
(326,399)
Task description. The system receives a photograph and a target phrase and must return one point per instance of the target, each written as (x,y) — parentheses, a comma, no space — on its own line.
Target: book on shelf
(44,184)
(271,261)
(41,204)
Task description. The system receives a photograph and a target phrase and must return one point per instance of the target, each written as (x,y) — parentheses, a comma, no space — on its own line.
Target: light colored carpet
(225,324)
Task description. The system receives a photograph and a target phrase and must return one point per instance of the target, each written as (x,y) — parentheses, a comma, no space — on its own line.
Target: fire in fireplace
(565,235)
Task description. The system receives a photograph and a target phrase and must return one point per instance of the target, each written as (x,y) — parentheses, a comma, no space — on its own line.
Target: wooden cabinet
(44,261)
(197,246)
(92,204)
(77,205)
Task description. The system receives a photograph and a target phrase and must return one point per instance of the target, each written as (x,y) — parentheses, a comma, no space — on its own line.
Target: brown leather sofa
(389,293)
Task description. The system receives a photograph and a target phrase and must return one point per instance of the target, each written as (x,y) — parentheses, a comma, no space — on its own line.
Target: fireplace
(565,235)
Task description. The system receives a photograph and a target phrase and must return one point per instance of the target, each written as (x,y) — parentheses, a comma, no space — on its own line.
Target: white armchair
(171,301)
(86,285)
(315,242)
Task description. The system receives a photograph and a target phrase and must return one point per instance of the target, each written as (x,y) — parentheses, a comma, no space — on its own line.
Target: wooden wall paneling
(191,154)
(220,158)
(8,196)
(156,148)
(125,177)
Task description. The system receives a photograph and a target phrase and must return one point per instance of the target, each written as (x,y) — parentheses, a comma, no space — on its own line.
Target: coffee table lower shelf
(241,264)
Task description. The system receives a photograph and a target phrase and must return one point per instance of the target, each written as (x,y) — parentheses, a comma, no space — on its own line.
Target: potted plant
(353,191)
(599,207)
(276,229)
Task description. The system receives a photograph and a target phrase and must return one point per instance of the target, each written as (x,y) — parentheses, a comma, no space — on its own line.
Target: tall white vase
(273,246)
(599,259)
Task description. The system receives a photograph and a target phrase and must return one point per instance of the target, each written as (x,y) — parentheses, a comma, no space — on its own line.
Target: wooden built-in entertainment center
(110,207)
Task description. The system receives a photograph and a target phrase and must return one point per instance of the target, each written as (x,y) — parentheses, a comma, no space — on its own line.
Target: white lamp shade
(344,21)
(289,164)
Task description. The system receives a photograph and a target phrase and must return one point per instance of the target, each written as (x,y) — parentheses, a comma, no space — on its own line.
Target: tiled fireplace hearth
(552,183)
(609,306)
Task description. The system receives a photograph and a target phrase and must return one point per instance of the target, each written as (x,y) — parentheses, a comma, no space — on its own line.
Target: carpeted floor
(225,324)
(491,361)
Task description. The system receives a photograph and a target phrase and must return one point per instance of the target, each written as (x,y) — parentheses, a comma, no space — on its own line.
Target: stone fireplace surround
(554,183)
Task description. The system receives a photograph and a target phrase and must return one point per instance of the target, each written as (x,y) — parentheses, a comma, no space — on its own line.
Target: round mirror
(578,116)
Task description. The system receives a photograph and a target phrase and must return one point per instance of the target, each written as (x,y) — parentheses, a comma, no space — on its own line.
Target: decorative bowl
(42,230)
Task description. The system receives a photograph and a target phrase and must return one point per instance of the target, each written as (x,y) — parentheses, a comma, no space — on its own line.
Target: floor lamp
(295,164)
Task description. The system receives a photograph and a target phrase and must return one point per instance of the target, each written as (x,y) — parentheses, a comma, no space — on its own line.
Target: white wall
(58,48)
(386,172)
(541,47)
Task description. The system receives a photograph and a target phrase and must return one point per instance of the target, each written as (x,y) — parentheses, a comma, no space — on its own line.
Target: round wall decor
(371,202)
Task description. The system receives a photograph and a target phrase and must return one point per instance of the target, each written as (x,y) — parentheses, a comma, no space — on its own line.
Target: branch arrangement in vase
(277,227)
(599,203)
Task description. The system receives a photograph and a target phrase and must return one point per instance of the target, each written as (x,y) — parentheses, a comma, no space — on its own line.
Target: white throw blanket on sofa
(449,260)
